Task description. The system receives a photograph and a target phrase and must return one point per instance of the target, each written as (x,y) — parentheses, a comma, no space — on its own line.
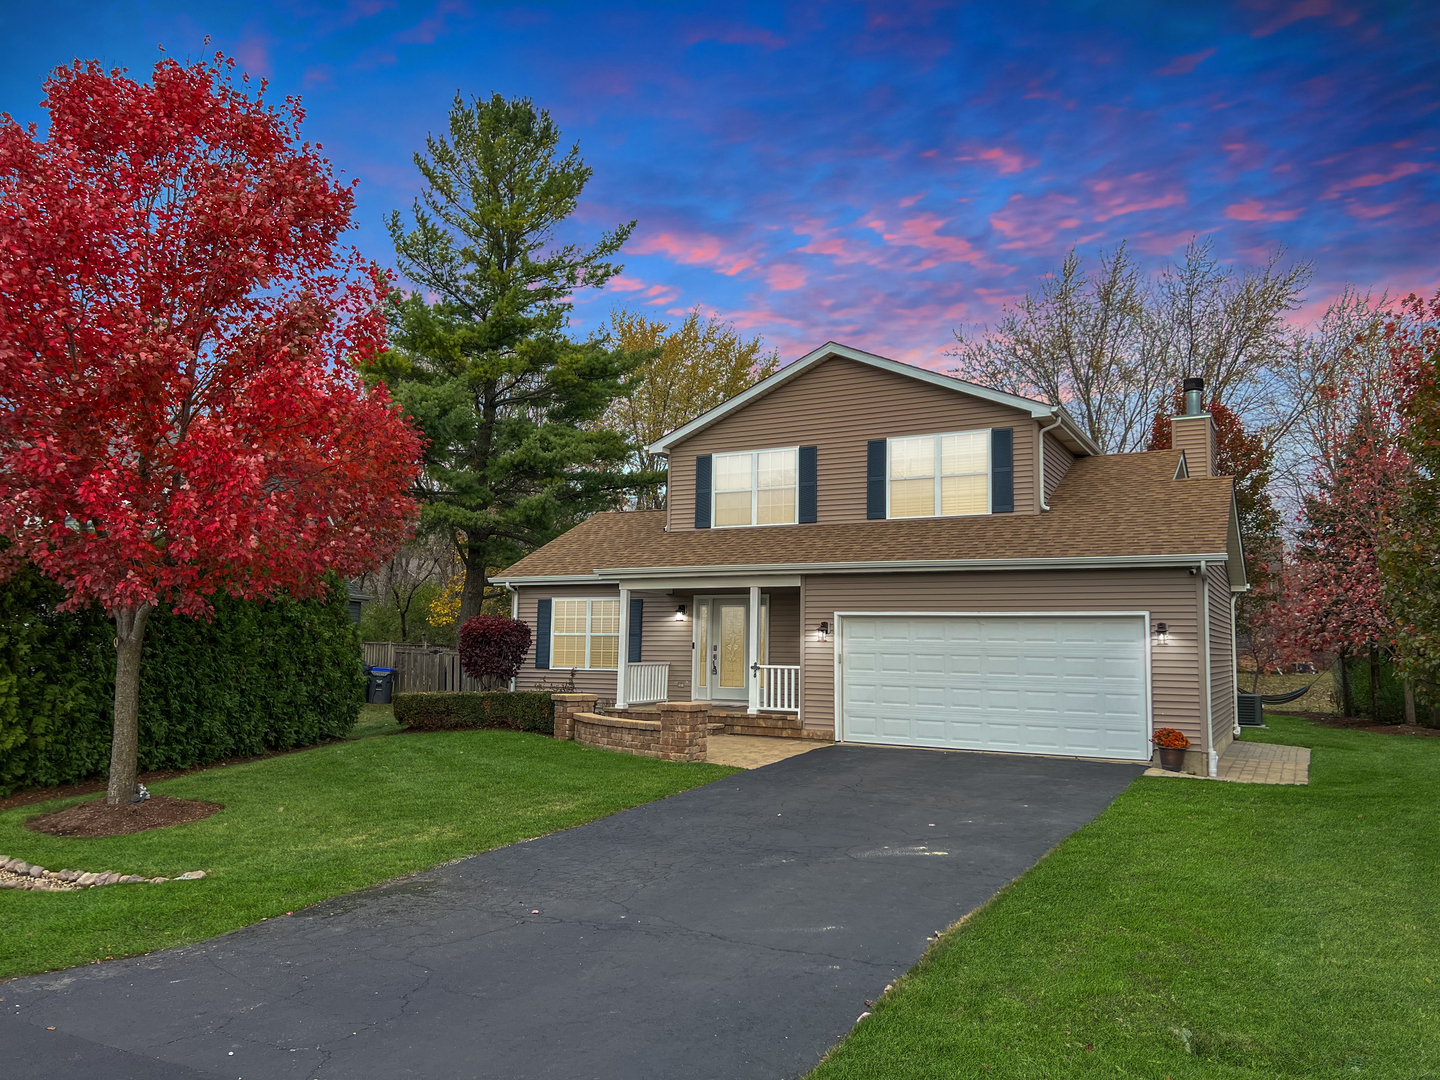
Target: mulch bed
(97,819)
(1360,723)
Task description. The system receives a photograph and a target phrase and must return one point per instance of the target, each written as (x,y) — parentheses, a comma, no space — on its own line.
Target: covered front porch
(736,647)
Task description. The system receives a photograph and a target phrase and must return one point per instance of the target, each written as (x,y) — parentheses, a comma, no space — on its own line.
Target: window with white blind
(939,475)
(756,488)
(585,634)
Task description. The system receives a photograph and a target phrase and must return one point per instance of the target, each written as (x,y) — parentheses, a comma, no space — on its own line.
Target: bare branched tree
(1111,346)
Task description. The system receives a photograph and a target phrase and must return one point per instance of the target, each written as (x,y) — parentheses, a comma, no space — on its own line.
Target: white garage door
(1032,684)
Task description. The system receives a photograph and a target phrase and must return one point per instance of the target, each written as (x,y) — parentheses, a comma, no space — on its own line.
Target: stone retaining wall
(679,734)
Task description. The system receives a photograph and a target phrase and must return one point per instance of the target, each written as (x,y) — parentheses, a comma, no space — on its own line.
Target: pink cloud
(1006,162)
(644,290)
(1183,65)
(1151,243)
(783,276)
(1367,213)
(922,231)
(433,26)
(1130,195)
(911,200)
(253,53)
(1405,168)
(1305,9)
(825,241)
(694,250)
(1254,210)
(1030,224)
(735,34)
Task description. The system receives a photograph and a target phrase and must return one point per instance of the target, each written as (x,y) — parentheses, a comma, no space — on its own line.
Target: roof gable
(1070,434)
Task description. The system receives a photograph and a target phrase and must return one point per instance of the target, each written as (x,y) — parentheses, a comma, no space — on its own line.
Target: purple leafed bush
(492,648)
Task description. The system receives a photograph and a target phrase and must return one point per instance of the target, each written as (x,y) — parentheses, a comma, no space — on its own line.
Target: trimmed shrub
(492,648)
(258,677)
(523,710)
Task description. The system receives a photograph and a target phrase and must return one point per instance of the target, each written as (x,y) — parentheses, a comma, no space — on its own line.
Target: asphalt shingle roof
(1112,506)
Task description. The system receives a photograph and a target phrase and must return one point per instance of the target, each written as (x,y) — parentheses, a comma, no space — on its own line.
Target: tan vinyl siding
(838,406)
(785,626)
(1057,463)
(1196,436)
(663,640)
(1222,658)
(601,683)
(1169,595)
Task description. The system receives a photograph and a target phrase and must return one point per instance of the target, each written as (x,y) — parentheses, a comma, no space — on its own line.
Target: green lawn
(1199,929)
(298,828)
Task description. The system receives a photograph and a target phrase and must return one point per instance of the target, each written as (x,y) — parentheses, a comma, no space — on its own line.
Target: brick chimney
(1194,432)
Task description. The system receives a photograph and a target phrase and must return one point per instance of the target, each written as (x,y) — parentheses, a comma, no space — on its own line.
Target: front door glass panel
(732,645)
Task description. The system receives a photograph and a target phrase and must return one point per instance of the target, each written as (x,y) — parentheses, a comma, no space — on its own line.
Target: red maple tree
(179,328)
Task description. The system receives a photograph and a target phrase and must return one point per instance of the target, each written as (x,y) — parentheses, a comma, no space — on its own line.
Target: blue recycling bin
(381,687)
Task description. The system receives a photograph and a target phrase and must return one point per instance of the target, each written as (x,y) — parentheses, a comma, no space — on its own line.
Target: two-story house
(894,556)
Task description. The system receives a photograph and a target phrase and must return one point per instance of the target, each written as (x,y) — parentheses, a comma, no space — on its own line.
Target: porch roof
(1108,511)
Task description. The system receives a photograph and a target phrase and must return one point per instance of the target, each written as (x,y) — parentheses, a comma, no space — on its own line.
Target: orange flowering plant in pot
(1172,744)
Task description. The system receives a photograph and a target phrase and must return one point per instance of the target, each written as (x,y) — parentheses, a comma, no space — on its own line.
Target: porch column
(622,661)
(752,651)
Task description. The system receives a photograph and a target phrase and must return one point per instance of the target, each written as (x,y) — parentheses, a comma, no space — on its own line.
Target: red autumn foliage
(177,334)
(492,647)
(179,329)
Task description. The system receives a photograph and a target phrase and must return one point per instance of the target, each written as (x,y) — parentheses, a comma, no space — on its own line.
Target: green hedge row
(524,710)
(258,677)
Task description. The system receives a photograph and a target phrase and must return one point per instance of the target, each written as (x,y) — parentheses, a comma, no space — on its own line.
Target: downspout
(514,614)
(1040,457)
(1234,659)
(1212,761)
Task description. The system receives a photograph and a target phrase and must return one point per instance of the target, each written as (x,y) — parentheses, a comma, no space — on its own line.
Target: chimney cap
(1195,383)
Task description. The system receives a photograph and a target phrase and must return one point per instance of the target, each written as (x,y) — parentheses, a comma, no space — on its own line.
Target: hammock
(1293,695)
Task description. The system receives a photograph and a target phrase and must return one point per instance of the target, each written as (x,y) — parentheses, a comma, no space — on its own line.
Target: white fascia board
(706,581)
(1036,409)
(549,579)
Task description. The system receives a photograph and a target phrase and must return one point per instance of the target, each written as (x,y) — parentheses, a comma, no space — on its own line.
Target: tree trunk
(473,596)
(1344,682)
(1374,684)
(1410,703)
(125,743)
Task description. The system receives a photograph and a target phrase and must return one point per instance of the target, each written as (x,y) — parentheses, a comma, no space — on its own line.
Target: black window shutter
(702,491)
(875,479)
(542,634)
(637,613)
(809,508)
(1002,470)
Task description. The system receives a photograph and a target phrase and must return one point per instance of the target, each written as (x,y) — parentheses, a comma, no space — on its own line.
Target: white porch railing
(646,684)
(779,687)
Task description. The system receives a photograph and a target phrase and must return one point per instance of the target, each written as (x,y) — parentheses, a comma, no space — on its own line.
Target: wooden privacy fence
(420,668)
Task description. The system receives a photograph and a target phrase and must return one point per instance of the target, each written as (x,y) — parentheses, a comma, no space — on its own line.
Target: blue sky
(876,174)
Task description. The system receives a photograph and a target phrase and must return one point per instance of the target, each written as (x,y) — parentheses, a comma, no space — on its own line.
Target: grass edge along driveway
(1198,929)
(300,828)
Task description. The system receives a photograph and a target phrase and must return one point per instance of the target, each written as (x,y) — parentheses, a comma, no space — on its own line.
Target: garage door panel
(1035,684)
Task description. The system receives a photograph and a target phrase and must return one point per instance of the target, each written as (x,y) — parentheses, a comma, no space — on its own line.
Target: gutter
(1040,451)
(883,566)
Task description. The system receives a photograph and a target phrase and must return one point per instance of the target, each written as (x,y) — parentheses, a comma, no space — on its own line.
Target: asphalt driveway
(732,931)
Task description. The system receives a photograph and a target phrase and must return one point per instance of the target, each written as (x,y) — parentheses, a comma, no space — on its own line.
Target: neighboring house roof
(1120,509)
(1068,431)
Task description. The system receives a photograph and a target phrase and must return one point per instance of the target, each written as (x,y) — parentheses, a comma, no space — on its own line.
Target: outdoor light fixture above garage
(824,631)
(1162,632)
(680,613)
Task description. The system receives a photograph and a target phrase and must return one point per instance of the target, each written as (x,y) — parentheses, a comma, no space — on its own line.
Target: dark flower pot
(1172,758)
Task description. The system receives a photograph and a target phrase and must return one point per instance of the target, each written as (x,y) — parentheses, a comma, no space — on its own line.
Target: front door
(727,670)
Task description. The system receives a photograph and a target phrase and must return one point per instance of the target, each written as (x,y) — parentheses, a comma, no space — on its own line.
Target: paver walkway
(753,751)
(1257,763)
(730,932)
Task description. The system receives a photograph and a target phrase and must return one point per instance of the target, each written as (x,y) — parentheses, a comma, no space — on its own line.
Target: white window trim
(589,602)
(755,487)
(989,475)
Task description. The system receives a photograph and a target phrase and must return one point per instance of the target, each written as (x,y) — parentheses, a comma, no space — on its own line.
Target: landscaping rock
(193,875)
(36,871)
(87,879)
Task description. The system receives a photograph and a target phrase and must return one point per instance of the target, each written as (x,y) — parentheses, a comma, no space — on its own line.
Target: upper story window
(939,475)
(585,634)
(755,488)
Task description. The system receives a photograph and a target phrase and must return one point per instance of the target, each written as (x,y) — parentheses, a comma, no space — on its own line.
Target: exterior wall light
(1162,632)
(680,613)
(824,630)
